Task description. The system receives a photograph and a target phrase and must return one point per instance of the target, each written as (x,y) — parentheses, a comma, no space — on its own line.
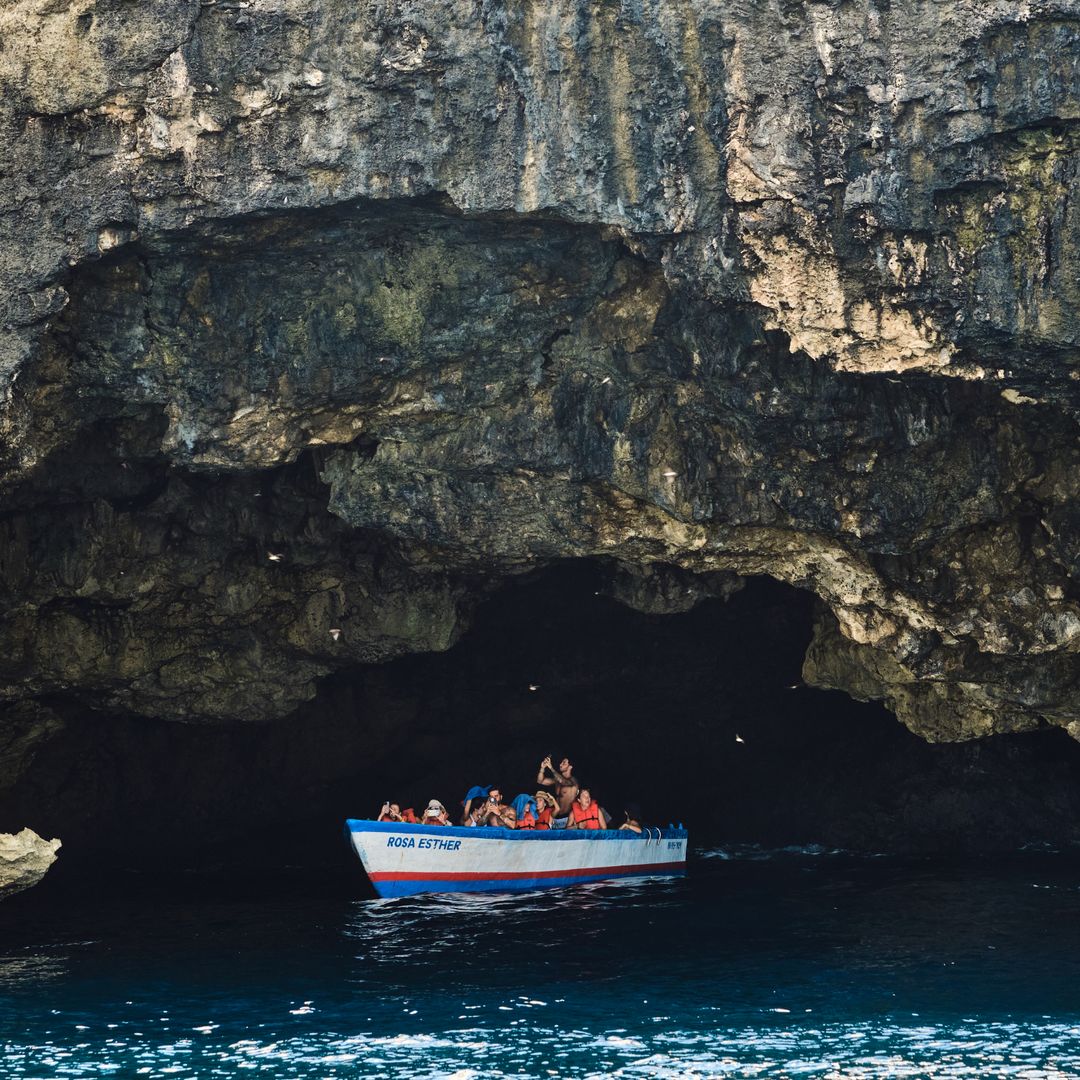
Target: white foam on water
(970,1050)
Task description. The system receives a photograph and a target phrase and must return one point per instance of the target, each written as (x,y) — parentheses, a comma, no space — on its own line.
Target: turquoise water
(798,964)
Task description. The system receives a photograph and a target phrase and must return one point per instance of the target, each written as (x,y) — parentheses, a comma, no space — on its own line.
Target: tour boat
(403,859)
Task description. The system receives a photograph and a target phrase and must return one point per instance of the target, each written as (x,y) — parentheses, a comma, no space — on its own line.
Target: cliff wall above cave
(320,318)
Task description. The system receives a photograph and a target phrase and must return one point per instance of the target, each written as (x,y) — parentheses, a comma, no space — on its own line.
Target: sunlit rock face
(321,318)
(25,859)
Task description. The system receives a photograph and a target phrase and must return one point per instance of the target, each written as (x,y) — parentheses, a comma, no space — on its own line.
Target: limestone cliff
(322,317)
(25,859)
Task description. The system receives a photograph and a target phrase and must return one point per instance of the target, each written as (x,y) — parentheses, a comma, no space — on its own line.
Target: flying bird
(335,633)
(274,556)
(534,686)
(670,473)
(739,738)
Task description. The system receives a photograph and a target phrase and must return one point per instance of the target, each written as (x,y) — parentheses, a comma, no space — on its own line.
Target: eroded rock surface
(323,317)
(25,858)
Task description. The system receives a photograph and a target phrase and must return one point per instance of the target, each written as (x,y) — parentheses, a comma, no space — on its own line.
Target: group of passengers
(567,806)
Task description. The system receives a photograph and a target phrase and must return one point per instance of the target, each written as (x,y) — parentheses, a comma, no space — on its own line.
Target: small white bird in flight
(534,686)
(739,738)
(275,556)
(335,633)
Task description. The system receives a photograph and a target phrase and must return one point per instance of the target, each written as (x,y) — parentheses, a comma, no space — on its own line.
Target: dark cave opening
(700,717)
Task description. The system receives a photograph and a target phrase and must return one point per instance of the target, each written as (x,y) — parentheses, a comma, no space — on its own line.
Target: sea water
(797,964)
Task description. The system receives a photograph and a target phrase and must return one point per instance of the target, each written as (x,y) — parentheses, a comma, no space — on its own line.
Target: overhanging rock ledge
(326,317)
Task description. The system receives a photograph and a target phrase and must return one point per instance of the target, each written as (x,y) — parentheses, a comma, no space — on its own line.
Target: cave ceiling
(323,318)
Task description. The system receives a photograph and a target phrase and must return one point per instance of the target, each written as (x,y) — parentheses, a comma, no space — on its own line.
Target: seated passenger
(409,816)
(390,812)
(497,813)
(435,814)
(525,812)
(545,809)
(633,819)
(586,814)
(472,804)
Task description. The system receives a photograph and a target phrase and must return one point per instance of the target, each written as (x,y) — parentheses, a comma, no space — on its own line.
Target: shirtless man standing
(564,781)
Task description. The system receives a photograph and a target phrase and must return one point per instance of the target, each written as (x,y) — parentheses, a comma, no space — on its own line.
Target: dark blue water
(795,965)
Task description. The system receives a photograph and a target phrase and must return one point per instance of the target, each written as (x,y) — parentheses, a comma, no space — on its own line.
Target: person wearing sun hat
(546,807)
(435,814)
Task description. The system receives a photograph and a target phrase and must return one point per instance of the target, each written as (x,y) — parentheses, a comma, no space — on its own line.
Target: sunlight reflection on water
(871,1051)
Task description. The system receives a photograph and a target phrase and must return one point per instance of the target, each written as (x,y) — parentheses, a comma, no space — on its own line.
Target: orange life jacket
(543,819)
(410,816)
(526,821)
(586,819)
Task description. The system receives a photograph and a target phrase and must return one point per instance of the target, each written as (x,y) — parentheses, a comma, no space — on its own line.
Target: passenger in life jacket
(586,814)
(524,812)
(545,809)
(435,814)
(391,811)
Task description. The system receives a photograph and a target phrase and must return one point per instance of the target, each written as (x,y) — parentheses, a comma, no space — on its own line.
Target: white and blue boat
(403,860)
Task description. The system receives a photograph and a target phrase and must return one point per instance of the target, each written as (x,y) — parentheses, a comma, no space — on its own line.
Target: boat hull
(403,860)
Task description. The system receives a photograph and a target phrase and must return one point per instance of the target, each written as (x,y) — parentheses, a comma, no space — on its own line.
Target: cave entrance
(700,717)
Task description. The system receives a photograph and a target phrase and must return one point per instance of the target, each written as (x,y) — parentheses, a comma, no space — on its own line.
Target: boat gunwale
(489,832)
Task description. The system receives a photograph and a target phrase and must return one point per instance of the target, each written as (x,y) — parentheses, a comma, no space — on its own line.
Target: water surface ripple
(801,964)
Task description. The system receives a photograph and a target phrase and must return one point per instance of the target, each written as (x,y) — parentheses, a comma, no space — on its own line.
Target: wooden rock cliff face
(323,317)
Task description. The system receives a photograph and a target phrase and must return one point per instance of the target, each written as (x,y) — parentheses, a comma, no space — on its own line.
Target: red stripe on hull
(512,875)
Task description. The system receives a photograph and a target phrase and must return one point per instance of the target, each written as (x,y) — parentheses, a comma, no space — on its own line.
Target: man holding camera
(498,814)
(488,809)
